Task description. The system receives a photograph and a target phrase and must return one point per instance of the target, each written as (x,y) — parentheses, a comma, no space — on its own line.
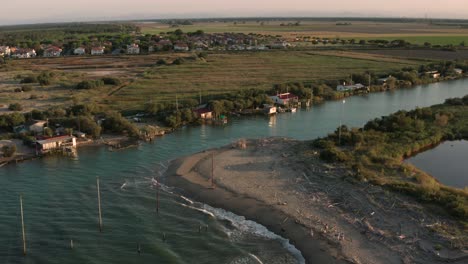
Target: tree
(48,132)
(15,107)
(391,82)
(9,151)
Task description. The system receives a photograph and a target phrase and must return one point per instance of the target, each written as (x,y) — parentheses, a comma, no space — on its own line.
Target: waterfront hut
(56,143)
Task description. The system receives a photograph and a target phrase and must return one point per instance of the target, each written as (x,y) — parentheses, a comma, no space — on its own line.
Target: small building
(284,98)
(35,126)
(79,51)
(351,87)
(181,47)
(280,45)
(97,51)
(458,71)
(383,81)
(4,51)
(133,49)
(23,53)
(53,52)
(269,109)
(203,113)
(56,143)
(433,74)
(79,134)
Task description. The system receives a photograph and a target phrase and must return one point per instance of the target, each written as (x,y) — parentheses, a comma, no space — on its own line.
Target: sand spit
(328,217)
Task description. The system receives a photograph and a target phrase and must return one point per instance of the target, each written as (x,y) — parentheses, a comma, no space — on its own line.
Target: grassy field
(222,72)
(226,72)
(417,33)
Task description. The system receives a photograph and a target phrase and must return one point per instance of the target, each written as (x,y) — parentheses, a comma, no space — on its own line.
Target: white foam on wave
(199,209)
(256,258)
(247,226)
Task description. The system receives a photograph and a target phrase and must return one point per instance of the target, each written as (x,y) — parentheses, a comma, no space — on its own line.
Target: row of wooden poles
(100,209)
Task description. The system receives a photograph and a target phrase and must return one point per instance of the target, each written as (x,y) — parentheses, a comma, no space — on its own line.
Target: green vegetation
(89,84)
(375,152)
(15,107)
(9,151)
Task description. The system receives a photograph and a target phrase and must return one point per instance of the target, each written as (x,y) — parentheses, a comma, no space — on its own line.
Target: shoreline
(327,218)
(252,209)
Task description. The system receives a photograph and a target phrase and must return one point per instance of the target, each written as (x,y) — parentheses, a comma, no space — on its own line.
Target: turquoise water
(447,162)
(60,194)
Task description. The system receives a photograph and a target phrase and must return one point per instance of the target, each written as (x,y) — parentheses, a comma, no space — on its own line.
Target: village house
(97,51)
(203,112)
(23,53)
(79,51)
(34,126)
(433,74)
(133,49)
(56,143)
(284,98)
(53,51)
(458,71)
(279,45)
(350,87)
(269,109)
(181,47)
(4,51)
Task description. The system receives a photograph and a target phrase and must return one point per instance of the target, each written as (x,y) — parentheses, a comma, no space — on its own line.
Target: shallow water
(448,162)
(60,193)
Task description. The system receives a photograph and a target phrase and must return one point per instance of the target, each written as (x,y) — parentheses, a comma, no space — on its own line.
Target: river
(60,201)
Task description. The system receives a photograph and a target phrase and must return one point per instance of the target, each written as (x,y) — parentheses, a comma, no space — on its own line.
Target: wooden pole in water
(22,225)
(157,197)
(212,170)
(99,205)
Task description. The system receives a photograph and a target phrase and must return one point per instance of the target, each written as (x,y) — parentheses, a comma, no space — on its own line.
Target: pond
(448,163)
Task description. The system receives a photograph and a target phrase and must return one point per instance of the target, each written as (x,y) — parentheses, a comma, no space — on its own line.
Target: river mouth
(446,162)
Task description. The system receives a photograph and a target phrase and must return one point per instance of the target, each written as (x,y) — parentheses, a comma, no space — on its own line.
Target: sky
(85,10)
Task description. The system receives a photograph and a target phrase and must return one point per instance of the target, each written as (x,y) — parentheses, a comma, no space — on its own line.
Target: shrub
(9,151)
(15,107)
(178,61)
(89,84)
(111,81)
(29,79)
(26,88)
(333,155)
(45,78)
(161,62)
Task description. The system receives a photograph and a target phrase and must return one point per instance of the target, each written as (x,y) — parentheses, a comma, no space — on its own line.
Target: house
(56,143)
(383,81)
(181,47)
(203,112)
(280,45)
(284,98)
(79,51)
(4,51)
(53,51)
(23,53)
(433,74)
(269,109)
(458,71)
(351,87)
(97,50)
(35,126)
(133,49)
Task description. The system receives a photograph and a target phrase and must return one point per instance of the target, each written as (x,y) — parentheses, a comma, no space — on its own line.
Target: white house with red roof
(52,51)
(284,98)
(181,47)
(23,53)
(97,51)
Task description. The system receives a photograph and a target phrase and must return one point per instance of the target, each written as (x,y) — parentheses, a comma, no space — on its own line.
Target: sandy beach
(328,216)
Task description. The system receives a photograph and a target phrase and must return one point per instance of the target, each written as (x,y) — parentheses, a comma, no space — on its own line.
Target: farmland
(414,32)
(221,72)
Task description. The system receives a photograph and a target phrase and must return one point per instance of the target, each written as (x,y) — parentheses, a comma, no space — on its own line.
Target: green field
(416,33)
(226,72)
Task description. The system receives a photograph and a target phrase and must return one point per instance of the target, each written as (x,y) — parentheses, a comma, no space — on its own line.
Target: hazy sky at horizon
(61,10)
